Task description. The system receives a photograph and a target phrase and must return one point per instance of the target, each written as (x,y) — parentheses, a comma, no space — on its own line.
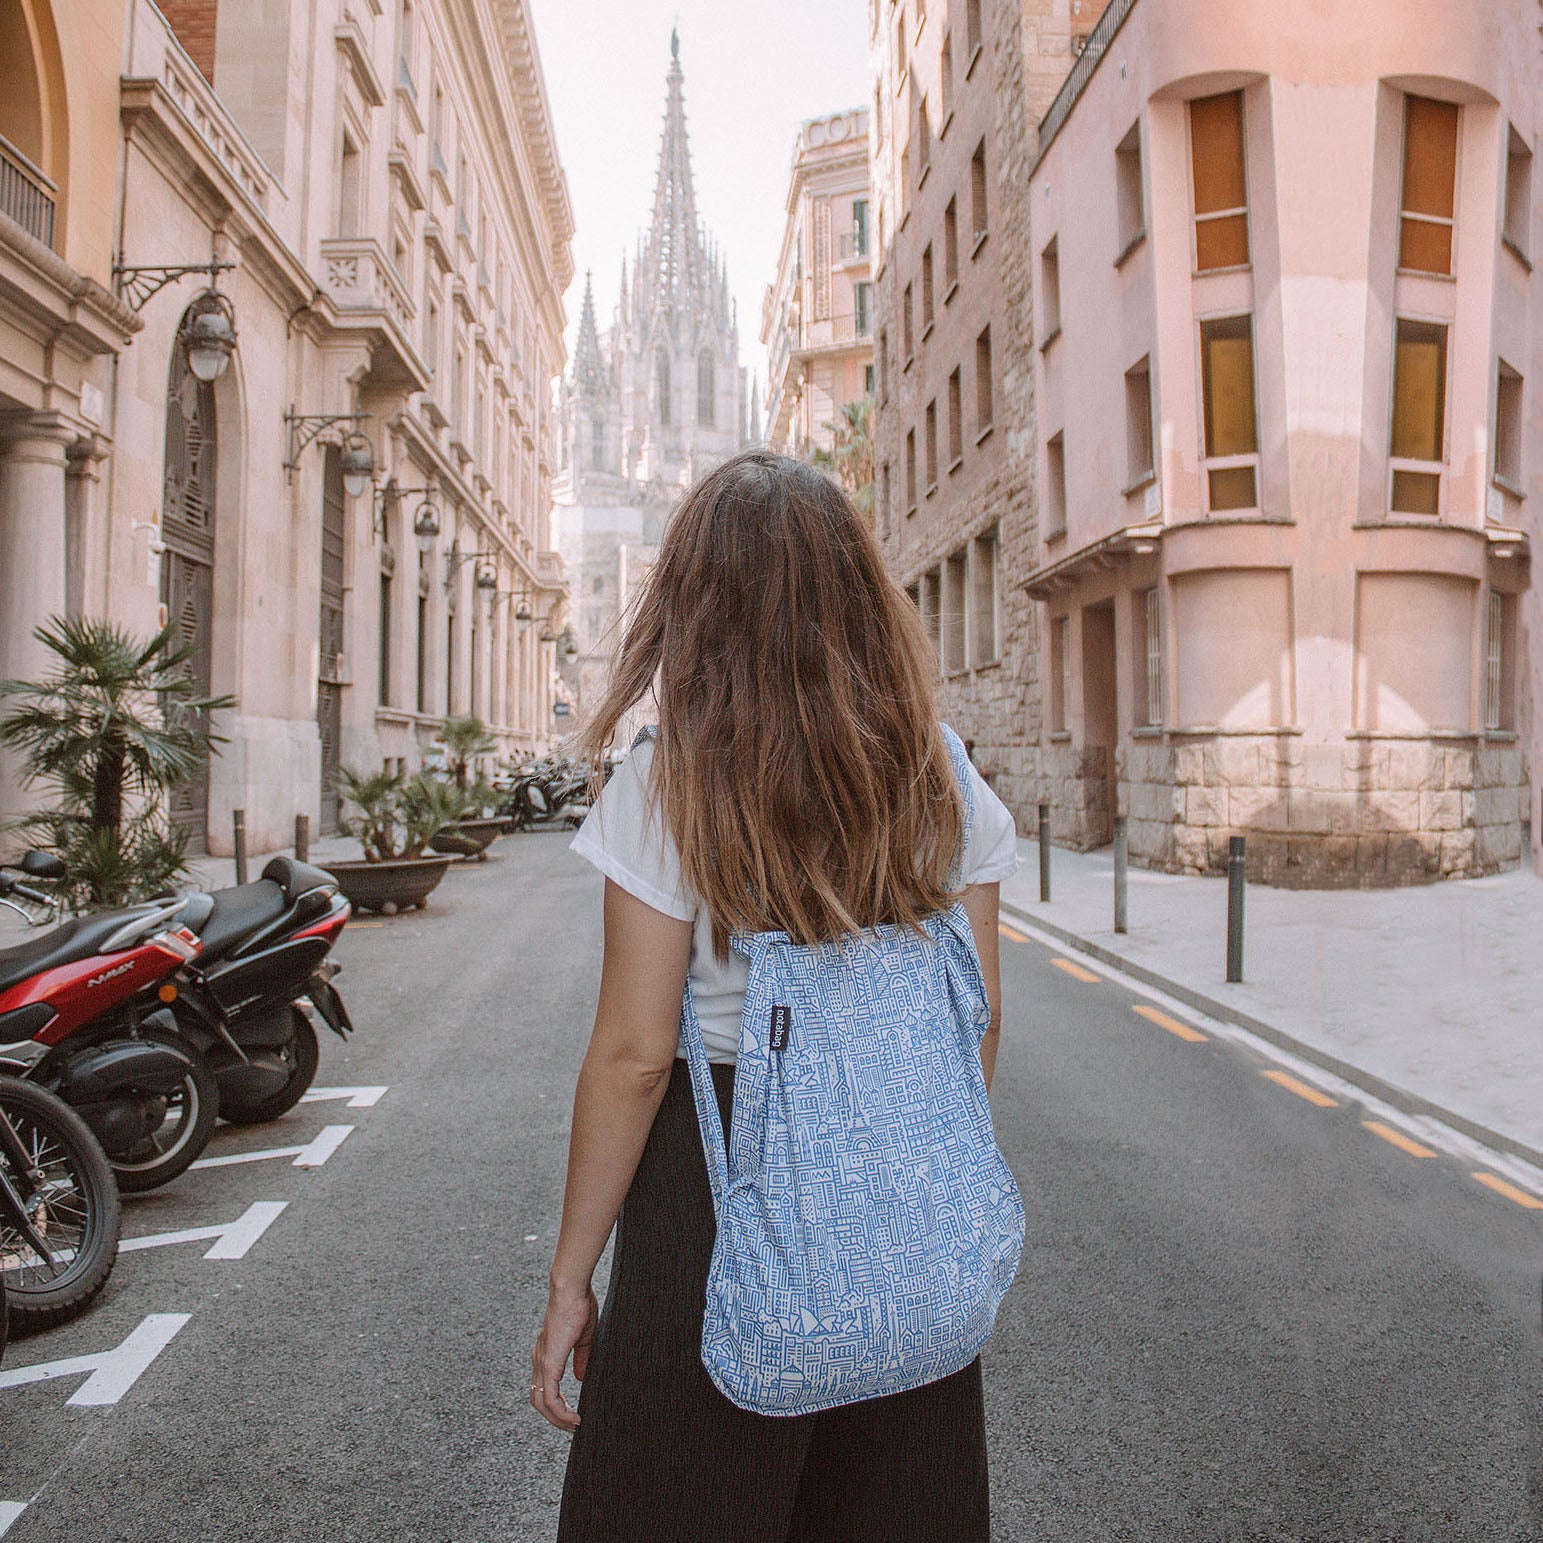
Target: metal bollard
(1044,851)
(1235,880)
(238,820)
(302,838)
(1121,869)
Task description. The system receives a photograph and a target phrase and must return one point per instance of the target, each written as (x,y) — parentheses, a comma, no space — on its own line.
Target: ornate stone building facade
(817,317)
(387,223)
(649,405)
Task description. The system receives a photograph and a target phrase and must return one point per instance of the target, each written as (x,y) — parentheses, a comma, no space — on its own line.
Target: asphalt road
(1241,1314)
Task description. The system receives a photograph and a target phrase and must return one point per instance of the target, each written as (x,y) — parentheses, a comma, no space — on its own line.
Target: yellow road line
(1173,1025)
(1301,1089)
(1007,932)
(1087,977)
(1398,1138)
(1510,1191)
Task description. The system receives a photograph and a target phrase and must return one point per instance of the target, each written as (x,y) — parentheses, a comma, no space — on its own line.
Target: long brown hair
(799,765)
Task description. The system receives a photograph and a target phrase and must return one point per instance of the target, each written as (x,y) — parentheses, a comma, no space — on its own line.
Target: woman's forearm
(614,1105)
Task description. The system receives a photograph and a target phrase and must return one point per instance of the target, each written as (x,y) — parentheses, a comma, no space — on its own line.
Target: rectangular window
(955,417)
(932,445)
(900,56)
(1231,429)
(978,214)
(1220,186)
(910,471)
(1497,651)
(1130,196)
(926,289)
(946,79)
(1518,191)
(883,364)
(923,142)
(1418,441)
(1149,616)
(983,399)
(1429,185)
(862,318)
(1060,675)
(905,325)
(421,686)
(1055,485)
(385,640)
(1050,288)
(931,612)
(860,226)
(972,32)
(954,632)
(867,380)
(450,664)
(350,190)
(983,598)
(950,248)
(1138,423)
(1508,428)
(884,505)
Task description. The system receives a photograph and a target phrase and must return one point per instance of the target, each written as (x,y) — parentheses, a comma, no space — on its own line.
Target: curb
(1388,1092)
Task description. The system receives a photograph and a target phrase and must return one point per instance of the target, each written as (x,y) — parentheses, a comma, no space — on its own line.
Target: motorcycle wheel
(80,1204)
(303,1055)
(184,1133)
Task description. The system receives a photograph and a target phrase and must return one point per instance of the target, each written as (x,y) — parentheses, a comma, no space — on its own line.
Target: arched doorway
(187,563)
(329,686)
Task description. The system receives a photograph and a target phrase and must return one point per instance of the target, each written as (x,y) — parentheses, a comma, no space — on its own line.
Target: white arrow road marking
(312,1155)
(113,1372)
(9,1511)
(232,1239)
(358,1098)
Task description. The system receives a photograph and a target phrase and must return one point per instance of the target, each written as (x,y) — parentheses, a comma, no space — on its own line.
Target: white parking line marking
(232,1239)
(358,1098)
(312,1155)
(113,1372)
(9,1511)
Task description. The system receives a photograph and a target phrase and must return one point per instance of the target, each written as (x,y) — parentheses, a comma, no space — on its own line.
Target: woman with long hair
(799,779)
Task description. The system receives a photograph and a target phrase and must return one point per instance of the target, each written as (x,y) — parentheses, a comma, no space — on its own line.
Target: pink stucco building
(1287,448)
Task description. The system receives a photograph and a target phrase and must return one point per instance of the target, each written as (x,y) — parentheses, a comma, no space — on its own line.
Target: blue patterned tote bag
(868,1226)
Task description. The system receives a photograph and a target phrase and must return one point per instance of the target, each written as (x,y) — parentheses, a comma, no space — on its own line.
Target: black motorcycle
(547,795)
(60,1213)
(245,1002)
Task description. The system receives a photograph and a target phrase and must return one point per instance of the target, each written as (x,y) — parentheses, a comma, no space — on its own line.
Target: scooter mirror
(42,865)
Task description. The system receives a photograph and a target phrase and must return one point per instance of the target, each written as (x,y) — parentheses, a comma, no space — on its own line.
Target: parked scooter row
(147,1023)
(547,794)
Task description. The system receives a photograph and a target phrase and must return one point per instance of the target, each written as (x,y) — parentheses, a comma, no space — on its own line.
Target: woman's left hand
(568,1329)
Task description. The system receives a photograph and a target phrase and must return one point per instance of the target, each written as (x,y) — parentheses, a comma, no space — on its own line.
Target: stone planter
(483,830)
(401,884)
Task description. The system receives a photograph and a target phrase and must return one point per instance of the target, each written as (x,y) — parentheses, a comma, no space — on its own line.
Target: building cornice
(64,304)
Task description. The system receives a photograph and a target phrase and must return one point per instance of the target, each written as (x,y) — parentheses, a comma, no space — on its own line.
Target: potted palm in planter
(113,729)
(465,738)
(398,816)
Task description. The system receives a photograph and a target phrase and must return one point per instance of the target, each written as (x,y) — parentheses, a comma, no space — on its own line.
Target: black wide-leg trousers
(661,1456)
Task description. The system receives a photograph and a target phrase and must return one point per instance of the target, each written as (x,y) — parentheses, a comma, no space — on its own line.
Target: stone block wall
(1365,814)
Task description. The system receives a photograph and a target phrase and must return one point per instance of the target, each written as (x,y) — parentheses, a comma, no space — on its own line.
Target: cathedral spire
(672,272)
(587,369)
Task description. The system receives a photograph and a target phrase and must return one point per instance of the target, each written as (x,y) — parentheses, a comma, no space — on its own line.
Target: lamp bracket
(137,283)
(304,427)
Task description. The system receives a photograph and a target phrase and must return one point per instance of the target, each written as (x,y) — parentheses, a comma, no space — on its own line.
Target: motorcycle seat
(296,878)
(74,940)
(239,911)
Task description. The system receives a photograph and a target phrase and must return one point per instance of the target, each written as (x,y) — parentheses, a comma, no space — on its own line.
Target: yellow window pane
(1430,156)
(1425,247)
(1419,391)
(1416,492)
(1232,487)
(1221,243)
(1227,365)
(1216,148)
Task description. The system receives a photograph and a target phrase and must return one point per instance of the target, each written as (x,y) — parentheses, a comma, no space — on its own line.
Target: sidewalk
(1430,997)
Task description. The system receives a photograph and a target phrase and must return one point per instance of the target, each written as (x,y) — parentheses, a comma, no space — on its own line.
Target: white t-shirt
(644,861)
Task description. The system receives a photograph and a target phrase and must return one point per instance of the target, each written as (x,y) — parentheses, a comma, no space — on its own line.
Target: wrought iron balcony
(26,195)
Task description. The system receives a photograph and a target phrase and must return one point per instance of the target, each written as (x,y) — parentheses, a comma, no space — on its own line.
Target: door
(1101,718)
(187,564)
(329,686)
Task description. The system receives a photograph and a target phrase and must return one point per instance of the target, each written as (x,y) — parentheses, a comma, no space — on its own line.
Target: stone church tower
(648,405)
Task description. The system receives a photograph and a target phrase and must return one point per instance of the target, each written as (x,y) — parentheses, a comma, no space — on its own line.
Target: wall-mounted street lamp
(455,557)
(358,453)
(208,331)
(425,520)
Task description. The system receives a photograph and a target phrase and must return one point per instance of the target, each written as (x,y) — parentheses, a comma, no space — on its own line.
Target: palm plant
(850,458)
(398,815)
(113,728)
(465,738)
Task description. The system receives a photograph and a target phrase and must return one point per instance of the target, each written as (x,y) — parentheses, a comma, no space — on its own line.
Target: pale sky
(753,73)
